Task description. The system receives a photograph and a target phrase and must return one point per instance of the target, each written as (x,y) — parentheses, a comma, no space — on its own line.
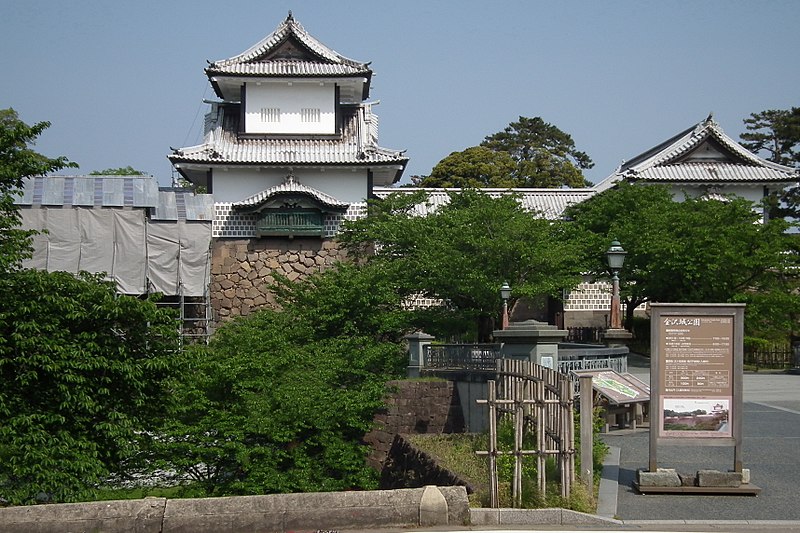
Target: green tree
(545,155)
(120,171)
(474,167)
(464,251)
(85,373)
(694,250)
(280,400)
(776,132)
(527,153)
(17,162)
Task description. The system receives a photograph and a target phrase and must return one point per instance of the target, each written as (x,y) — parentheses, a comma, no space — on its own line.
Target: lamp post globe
(505,294)
(615,256)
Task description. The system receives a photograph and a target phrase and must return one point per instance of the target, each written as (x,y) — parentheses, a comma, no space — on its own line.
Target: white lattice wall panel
(228,223)
(589,296)
(333,222)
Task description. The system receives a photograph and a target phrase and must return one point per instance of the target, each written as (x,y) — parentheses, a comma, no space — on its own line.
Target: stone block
(745,476)
(663,477)
(484,516)
(125,515)
(432,508)
(715,478)
(688,480)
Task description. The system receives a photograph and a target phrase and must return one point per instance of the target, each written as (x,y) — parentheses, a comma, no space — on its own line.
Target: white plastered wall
(290,107)
(235,184)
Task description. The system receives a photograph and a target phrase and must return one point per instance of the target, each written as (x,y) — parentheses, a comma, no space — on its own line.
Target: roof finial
(290,17)
(290,177)
(710,117)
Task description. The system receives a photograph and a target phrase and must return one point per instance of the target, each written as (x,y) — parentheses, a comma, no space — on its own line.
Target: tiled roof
(255,61)
(288,68)
(292,186)
(115,192)
(710,173)
(355,146)
(673,161)
(551,203)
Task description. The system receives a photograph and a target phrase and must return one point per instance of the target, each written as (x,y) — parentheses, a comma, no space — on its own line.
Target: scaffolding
(144,239)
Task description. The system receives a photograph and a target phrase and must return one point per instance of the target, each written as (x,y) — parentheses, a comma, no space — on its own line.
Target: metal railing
(479,357)
(617,364)
(778,356)
(483,357)
(584,334)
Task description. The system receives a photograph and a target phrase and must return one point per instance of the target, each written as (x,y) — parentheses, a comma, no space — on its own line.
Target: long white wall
(234,185)
(290,107)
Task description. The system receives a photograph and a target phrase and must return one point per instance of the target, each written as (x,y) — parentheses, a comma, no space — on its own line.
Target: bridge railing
(483,357)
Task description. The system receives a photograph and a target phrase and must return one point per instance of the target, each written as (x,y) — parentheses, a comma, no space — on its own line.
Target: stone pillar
(416,352)
(533,340)
(617,337)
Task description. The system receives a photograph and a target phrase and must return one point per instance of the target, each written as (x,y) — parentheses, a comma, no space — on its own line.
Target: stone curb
(519,517)
(402,508)
(609,484)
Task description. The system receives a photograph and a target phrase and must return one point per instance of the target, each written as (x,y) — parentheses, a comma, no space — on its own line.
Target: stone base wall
(243,270)
(414,407)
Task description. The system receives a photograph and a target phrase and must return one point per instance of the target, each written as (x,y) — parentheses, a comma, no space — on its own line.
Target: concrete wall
(428,506)
(243,270)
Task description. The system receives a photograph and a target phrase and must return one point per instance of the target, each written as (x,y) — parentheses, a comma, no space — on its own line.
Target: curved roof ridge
(691,138)
(662,162)
(291,185)
(286,28)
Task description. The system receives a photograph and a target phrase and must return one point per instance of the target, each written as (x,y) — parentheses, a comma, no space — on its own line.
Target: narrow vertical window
(270,114)
(310,114)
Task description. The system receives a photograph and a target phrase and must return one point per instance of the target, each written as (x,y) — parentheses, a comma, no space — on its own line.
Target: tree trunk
(485,328)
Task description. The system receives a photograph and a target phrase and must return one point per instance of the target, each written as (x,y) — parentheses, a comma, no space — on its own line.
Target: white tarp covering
(138,254)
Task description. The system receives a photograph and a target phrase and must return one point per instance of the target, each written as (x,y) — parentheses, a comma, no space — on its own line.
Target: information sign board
(696,376)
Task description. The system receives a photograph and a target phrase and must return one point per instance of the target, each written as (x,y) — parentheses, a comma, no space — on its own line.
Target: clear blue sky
(123,81)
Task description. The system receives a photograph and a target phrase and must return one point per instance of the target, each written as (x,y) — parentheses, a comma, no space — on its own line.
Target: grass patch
(456,452)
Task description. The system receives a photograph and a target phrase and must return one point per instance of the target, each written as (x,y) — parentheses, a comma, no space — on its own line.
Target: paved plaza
(771,450)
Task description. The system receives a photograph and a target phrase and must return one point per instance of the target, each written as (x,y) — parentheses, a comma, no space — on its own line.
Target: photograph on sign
(707,417)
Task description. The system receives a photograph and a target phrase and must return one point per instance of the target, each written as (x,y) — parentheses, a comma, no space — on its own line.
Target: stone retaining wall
(407,466)
(243,270)
(414,407)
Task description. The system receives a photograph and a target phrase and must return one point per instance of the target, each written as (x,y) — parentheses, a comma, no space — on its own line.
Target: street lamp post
(505,294)
(615,256)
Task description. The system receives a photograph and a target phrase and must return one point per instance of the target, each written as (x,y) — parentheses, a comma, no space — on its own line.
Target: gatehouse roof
(549,203)
(289,51)
(703,153)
